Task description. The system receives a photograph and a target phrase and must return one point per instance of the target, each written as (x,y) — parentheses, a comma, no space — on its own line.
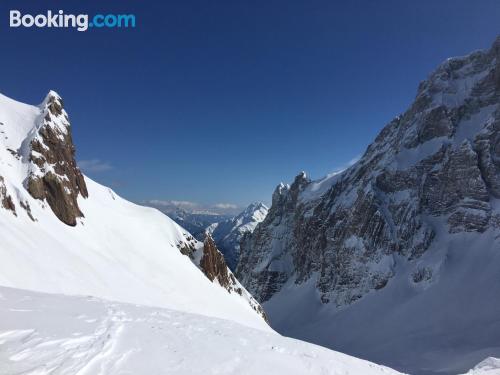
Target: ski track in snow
(65,335)
(30,352)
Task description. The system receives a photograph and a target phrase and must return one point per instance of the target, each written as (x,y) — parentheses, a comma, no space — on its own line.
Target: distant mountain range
(228,234)
(227,230)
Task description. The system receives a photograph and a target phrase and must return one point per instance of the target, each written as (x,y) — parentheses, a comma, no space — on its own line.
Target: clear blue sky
(218,101)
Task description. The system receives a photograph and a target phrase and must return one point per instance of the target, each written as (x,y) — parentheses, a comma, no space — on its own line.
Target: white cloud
(194,207)
(226,206)
(173,203)
(94,165)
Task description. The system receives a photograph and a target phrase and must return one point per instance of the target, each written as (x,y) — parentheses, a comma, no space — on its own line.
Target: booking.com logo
(79,21)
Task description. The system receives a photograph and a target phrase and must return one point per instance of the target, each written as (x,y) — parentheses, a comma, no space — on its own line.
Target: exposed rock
(211,262)
(422,274)
(214,266)
(187,247)
(27,208)
(13,153)
(5,198)
(55,175)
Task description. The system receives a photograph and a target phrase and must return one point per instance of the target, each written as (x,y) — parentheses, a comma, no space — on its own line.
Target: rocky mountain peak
(300,179)
(229,233)
(255,208)
(53,103)
(439,159)
(54,175)
(369,255)
(279,192)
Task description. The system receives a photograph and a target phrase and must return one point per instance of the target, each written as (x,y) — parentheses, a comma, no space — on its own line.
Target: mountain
(94,284)
(63,233)
(196,223)
(490,366)
(396,258)
(229,233)
(56,334)
(191,216)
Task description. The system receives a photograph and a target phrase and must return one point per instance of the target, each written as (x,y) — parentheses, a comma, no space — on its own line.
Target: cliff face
(54,175)
(213,264)
(440,160)
(426,191)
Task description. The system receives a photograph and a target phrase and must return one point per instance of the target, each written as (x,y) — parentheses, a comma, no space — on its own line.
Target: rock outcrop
(5,199)
(214,266)
(54,174)
(211,262)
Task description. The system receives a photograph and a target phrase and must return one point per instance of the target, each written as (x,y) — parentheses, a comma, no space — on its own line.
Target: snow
(490,366)
(453,92)
(317,188)
(118,251)
(409,157)
(446,328)
(247,220)
(469,128)
(42,334)
(19,118)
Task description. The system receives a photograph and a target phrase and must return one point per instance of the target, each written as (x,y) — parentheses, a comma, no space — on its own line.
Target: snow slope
(435,327)
(118,250)
(490,366)
(43,334)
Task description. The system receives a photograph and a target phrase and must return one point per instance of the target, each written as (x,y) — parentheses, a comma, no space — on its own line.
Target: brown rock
(213,264)
(5,199)
(54,147)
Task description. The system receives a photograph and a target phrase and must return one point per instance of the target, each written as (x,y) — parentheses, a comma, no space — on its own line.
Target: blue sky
(219,101)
